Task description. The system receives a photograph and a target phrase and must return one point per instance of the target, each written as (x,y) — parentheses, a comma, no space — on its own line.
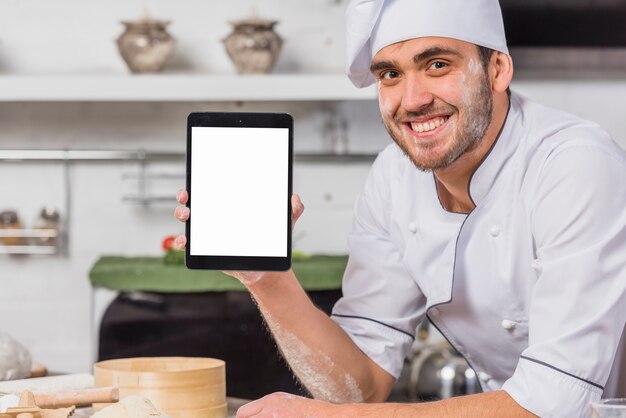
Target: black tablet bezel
(253,120)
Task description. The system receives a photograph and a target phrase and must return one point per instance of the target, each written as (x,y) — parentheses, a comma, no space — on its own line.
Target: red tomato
(168,242)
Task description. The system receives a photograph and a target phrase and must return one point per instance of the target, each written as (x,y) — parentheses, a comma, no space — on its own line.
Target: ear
(500,71)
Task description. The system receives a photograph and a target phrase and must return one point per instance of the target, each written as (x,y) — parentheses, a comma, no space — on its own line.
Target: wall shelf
(180,87)
(194,87)
(29,249)
(28,235)
(42,241)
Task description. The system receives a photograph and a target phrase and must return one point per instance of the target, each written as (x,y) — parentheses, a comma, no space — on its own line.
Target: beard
(472,125)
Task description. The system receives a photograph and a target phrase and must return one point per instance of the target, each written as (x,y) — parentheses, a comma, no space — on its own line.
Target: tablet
(239,179)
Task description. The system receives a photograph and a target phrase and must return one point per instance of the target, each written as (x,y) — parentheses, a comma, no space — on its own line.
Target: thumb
(296,209)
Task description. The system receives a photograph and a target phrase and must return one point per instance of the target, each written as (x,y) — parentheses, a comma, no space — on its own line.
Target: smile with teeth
(428,125)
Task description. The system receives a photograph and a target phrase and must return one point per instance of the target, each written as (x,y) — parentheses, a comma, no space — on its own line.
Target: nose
(416,95)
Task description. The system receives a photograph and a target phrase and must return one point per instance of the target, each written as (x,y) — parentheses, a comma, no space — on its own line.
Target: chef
(500,220)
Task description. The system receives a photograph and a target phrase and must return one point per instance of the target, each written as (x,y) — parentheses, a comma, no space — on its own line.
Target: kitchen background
(64,86)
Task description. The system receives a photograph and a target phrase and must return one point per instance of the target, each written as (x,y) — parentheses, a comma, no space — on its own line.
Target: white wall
(78,35)
(45,301)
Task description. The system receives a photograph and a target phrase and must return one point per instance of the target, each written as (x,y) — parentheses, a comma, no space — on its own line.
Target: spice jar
(10,220)
(48,220)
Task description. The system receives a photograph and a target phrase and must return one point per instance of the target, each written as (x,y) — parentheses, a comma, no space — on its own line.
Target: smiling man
(443,101)
(500,220)
(447,77)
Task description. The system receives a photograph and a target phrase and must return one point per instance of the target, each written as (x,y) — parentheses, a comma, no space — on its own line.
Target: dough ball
(131,407)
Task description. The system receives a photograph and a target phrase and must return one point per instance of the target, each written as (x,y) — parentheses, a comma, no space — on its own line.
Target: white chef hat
(375,24)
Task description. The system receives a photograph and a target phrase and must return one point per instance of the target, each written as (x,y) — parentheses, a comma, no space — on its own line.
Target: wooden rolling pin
(48,383)
(79,397)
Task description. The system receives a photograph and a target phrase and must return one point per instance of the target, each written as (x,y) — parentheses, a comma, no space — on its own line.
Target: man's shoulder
(543,121)
(547,131)
(554,144)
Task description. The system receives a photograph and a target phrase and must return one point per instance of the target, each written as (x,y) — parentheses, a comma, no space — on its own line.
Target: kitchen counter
(233,405)
(151,274)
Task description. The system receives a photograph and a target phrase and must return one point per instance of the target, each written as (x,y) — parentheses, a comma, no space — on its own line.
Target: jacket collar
(487,172)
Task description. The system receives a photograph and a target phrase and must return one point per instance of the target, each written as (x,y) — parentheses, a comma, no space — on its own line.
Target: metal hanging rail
(87,155)
(141,155)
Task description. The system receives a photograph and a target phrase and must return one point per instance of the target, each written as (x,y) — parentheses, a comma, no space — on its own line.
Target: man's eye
(388,75)
(438,65)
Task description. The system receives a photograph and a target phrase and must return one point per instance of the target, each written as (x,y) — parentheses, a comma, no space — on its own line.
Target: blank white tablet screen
(239,191)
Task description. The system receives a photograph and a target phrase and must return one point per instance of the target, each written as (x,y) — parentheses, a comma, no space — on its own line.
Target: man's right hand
(246,277)
(182,214)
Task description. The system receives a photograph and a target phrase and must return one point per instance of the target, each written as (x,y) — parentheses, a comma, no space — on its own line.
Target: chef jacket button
(508,324)
(412,227)
(434,312)
(494,231)
(484,377)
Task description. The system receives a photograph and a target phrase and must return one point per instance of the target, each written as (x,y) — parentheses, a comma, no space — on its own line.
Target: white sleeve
(578,304)
(381,304)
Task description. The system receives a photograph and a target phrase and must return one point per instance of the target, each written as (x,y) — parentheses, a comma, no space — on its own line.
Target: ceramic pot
(253,46)
(145,45)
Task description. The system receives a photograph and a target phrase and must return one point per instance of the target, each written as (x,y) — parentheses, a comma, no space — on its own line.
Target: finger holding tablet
(182,214)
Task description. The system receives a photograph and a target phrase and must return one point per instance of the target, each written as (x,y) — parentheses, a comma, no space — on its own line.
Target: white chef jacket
(529,287)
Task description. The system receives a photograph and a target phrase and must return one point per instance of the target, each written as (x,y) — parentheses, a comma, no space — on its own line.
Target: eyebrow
(434,51)
(422,56)
(382,65)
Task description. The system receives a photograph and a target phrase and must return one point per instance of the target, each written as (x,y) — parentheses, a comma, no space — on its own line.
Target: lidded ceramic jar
(49,219)
(145,45)
(10,220)
(253,46)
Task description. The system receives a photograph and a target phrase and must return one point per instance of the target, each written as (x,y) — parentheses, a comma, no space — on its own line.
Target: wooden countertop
(233,405)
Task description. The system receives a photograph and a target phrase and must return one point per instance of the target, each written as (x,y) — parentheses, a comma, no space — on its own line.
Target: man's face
(435,98)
